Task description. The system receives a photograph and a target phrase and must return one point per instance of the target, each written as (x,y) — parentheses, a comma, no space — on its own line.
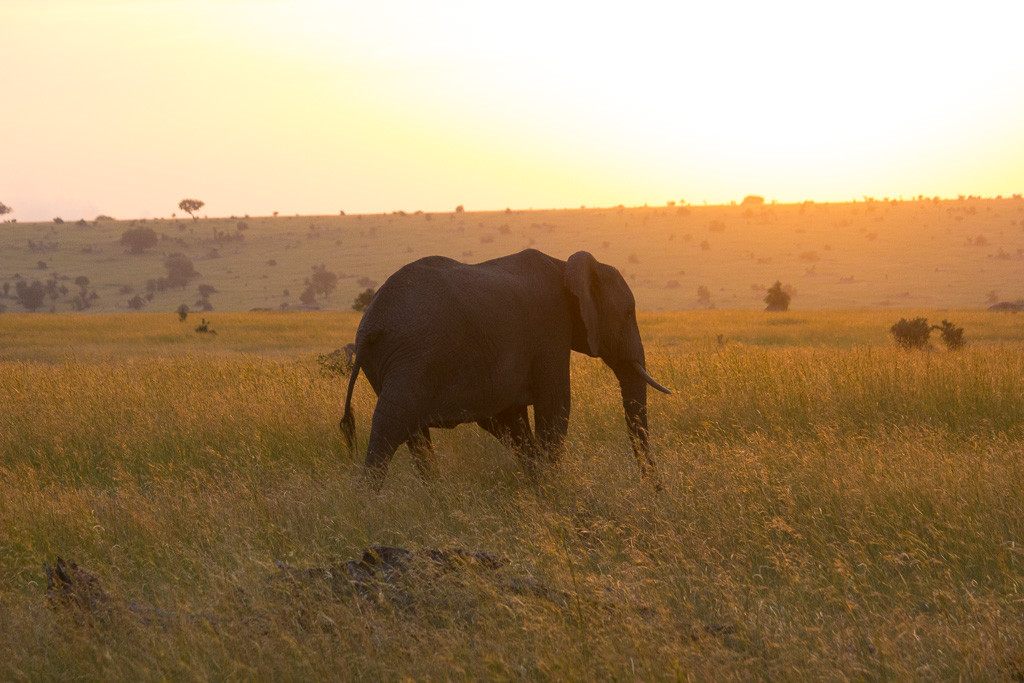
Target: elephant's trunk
(634,402)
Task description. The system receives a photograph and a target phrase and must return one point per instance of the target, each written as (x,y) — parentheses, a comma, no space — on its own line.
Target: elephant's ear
(579,275)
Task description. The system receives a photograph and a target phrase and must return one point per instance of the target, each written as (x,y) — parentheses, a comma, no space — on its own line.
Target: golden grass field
(834,508)
(866,254)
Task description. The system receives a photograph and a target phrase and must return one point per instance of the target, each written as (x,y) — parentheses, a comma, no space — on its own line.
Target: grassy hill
(901,254)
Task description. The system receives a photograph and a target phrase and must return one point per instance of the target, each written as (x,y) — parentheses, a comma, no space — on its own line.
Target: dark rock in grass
(73,589)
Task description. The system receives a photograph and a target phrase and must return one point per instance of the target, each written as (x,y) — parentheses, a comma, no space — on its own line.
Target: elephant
(444,343)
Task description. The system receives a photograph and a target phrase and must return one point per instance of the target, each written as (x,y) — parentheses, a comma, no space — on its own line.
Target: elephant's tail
(348,420)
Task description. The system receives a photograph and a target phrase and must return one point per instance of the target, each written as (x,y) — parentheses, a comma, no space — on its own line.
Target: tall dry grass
(831,510)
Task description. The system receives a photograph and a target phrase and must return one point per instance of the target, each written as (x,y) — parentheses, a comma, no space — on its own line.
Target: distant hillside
(929,254)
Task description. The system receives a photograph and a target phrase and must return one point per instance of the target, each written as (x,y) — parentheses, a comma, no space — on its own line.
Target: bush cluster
(914,334)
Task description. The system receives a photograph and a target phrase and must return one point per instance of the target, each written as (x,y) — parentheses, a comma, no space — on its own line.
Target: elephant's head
(607,329)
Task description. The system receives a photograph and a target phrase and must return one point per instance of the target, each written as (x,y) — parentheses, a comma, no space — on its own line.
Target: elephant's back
(439,288)
(439,304)
(414,306)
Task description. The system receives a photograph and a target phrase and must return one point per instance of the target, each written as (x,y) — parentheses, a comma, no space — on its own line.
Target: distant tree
(190,206)
(4,209)
(703,296)
(753,200)
(30,296)
(206,290)
(183,312)
(179,270)
(58,220)
(323,280)
(363,300)
(136,302)
(81,300)
(138,240)
(777,298)
(460,208)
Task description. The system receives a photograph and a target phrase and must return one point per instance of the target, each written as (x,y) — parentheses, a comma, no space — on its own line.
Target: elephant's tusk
(650,380)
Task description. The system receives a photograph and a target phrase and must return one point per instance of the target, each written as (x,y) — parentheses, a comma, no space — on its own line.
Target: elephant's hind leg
(387,432)
(512,428)
(423,454)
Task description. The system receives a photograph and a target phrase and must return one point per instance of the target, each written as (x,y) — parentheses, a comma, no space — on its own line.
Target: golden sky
(124,107)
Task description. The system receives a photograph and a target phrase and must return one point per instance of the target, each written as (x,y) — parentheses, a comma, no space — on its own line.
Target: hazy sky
(124,107)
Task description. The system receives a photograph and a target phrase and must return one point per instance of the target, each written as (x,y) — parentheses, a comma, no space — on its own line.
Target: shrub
(308,296)
(30,296)
(363,300)
(138,240)
(183,312)
(777,298)
(323,281)
(179,270)
(703,295)
(952,336)
(911,334)
(338,362)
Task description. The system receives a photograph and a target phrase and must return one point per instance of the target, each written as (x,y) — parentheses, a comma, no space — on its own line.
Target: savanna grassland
(930,254)
(833,507)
